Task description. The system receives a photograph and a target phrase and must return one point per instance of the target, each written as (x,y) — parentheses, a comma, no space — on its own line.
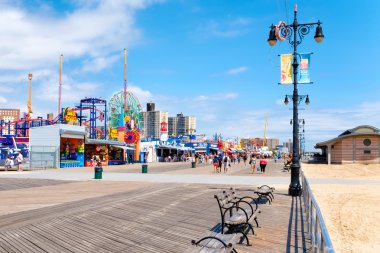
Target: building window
(367,151)
(332,146)
(367,142)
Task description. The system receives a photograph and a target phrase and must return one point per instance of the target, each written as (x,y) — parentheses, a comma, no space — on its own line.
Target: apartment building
(182,125)
(152,121)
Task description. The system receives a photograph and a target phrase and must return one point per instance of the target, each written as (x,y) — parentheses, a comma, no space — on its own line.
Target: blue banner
(304,74)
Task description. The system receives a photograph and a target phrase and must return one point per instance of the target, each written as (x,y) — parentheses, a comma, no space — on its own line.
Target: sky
(205,58)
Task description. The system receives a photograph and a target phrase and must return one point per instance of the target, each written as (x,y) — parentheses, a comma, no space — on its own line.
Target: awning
(214,148)
(105,142)
(76,130)
(123,147)
(73,136)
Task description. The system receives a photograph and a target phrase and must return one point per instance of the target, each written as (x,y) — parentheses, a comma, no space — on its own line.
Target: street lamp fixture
(294,33)
(300,121)
(318,33)
(300,99)
(307,101)
(272,36)
(286,101)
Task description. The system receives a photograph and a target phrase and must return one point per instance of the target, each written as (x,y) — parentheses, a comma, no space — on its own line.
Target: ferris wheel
(133,118)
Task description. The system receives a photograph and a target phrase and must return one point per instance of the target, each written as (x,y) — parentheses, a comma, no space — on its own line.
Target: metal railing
(319,236)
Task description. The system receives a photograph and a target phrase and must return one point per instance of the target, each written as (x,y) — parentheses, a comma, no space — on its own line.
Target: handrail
(319,236)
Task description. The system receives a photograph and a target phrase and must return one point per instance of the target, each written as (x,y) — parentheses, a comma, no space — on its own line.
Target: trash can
(144,168)
(98,172)
(193,164)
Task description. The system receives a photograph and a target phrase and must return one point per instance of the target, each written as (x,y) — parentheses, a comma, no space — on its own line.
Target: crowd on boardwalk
(223,161)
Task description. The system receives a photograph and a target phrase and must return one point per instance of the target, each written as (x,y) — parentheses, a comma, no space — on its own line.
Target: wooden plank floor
(161,218)
(7,184)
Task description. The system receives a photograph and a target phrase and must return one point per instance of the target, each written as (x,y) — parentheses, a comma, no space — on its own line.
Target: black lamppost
(301,134)
(295,33)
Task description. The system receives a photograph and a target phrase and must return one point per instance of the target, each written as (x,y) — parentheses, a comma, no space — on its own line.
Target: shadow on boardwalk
(160,218)
(296,229)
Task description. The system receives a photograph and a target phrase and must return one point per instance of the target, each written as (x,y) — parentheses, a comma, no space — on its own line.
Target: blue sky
(207,58)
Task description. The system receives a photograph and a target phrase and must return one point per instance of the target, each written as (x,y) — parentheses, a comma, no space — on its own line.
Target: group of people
(219,160)
(9,162)
(224,160)
(262,162)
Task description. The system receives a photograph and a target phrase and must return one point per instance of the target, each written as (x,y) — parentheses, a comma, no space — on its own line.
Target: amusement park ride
(121,120)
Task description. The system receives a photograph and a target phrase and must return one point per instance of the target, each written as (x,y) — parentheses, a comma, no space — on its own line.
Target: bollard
(144,168)
(98,172)
(193,164)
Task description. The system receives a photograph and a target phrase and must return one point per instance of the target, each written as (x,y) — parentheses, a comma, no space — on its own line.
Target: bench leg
(246,238)
(257,224)
(251,227)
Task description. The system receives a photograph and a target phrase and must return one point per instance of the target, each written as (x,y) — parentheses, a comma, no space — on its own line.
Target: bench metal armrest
(231,212)
(250,198)
(229,245)
(245,202)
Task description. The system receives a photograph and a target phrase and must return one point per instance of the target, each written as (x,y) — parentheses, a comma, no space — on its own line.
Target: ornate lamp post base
(295,191)
(295,188)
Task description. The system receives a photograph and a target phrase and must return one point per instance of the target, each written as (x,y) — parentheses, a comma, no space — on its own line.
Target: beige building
(152,123)
(182,125)
(271,143)
(358,145)
(9,114)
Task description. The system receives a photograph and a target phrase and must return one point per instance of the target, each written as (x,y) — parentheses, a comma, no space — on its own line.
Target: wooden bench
(213,242)
(234,217)
(266,192)
(248,203)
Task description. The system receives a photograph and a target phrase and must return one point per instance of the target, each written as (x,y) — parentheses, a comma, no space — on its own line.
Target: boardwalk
(159,218)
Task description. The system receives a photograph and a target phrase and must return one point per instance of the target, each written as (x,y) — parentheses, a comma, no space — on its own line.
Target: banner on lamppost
(304,76)
(286,69)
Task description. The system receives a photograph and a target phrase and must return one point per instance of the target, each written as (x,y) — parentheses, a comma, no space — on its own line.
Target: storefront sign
(69,115)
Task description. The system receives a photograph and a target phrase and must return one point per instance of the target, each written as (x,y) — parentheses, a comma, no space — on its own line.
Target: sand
(348,171)
(351,212)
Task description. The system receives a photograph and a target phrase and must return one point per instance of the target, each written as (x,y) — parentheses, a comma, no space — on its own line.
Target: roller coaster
(20,129)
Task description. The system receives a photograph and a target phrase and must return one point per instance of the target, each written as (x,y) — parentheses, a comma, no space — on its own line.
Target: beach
(351,210)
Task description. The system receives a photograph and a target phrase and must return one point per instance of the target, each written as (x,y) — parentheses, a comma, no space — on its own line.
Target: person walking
(215,160)
(8,163)
(220,160)
(19,160)
(225,163)
(245,159)
(263,164)
(252,162)
(275,158)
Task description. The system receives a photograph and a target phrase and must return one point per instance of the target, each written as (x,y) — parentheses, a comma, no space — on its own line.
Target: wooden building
(358,145)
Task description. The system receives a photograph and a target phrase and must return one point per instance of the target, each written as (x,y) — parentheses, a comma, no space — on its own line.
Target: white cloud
(99,63)
(3,100)
(144,96)
(223,29)
(32,40)
(91,38)
(235,71)
(72,91)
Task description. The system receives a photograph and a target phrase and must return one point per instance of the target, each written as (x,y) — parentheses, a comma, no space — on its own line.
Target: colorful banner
(304,76)
(286,69)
